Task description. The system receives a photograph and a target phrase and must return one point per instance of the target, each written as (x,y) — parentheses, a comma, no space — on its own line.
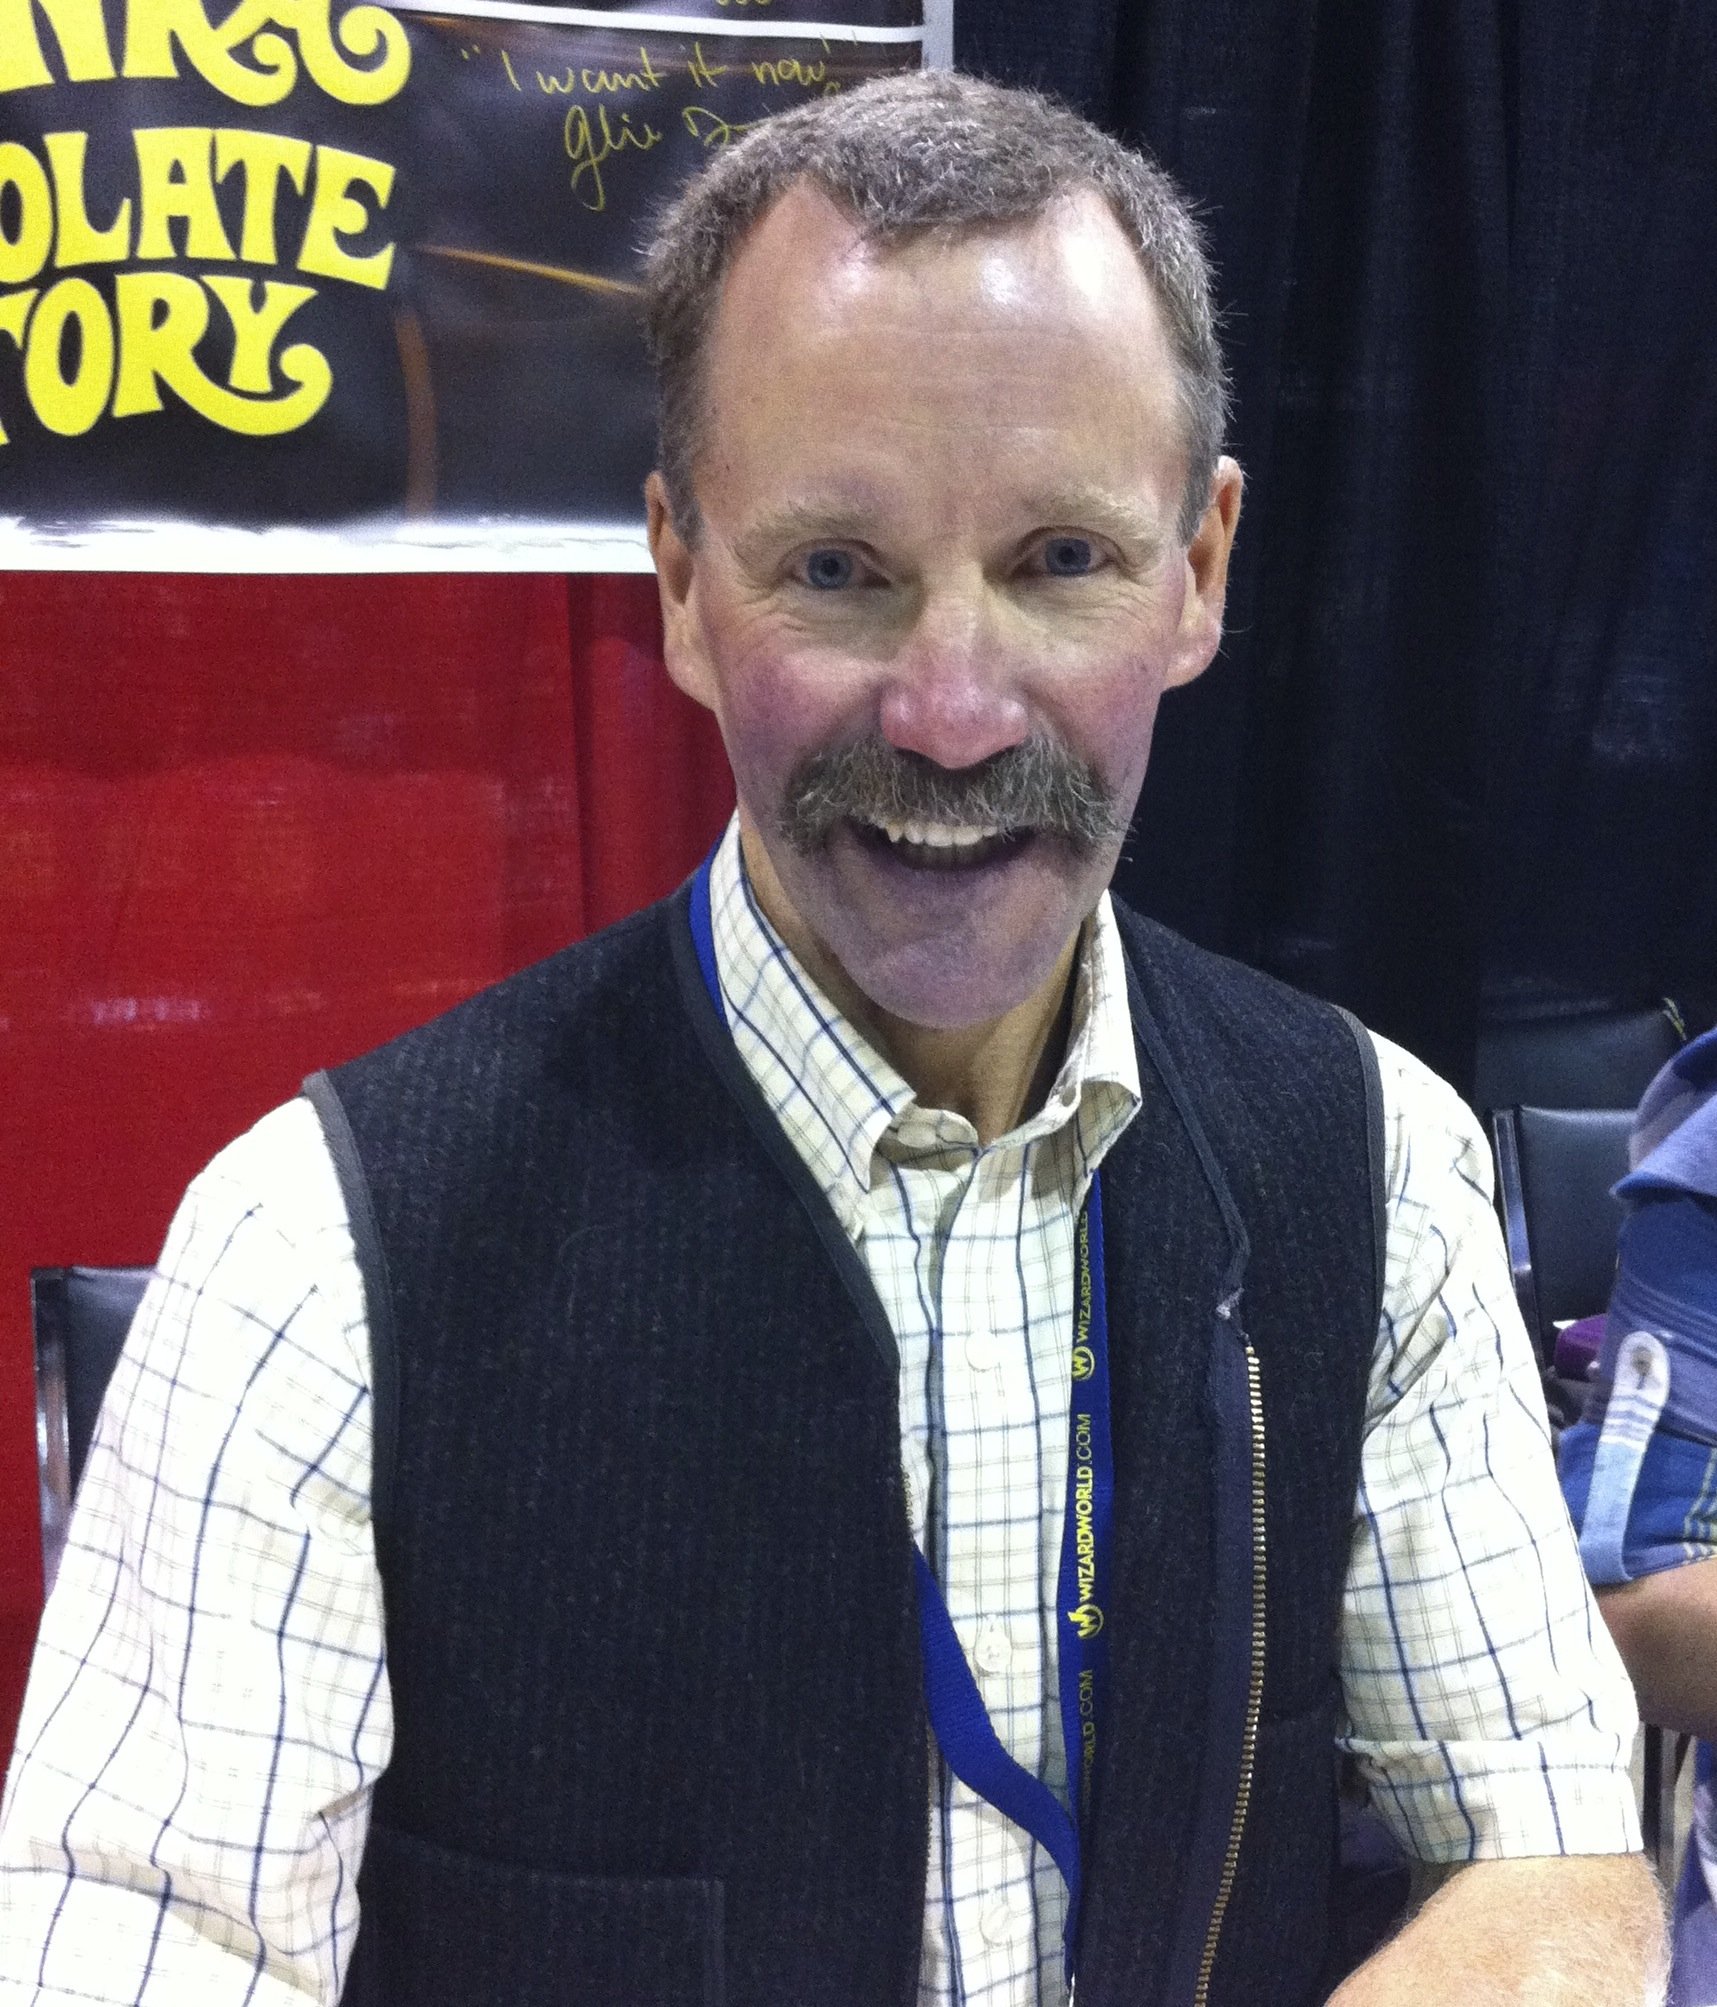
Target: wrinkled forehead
(807,262)
(1019,341)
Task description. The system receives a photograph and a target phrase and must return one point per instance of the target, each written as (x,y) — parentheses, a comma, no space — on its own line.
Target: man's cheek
(756,750)
(1116,738)
(773,727)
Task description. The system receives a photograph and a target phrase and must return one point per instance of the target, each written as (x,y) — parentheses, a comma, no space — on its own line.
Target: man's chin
(973,969)
(944,945)
(944,992)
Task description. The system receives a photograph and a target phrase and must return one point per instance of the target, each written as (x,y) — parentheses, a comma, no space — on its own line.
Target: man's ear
(676,585)
(1200,633)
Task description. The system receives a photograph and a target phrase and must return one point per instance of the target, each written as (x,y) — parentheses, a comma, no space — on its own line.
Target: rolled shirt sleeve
(1487,1707)
(207,1708)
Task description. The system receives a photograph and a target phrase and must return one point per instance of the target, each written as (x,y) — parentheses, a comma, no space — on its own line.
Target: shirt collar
(1674,1141)
(839,1099)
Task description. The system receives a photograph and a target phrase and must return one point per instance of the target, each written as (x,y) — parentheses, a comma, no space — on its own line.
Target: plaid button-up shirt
(208,1709)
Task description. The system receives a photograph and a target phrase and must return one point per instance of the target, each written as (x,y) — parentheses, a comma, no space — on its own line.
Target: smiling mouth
(939,846)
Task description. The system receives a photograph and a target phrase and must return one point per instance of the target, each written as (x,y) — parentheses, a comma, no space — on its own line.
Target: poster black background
(501,373)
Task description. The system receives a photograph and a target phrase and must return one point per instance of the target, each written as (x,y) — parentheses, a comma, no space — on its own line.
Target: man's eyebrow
(1117,516)
(853,519)
(793,521)
(830,521)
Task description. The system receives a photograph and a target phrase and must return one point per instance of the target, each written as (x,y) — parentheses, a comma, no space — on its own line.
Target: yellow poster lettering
(154,27)
(262,158)
(256,328)
(705,74)
(274,34)
(588,146)
(367,32)
(790,71)
(335,213)
(710,129)
(79,29)
(78,241)
(14,319)
(24,252)
(175,181)
(162,317)
(69,404)
(646,77)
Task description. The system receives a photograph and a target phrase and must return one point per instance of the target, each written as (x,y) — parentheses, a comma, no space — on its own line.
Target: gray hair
(906,154)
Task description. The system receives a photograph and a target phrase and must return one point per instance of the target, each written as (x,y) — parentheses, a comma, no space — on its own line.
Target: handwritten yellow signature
(590,144)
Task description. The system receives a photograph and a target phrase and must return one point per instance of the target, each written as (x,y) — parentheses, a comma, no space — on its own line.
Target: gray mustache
(1037,785)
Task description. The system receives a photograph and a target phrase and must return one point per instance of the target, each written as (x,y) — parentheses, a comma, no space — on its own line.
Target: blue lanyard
(964,1732)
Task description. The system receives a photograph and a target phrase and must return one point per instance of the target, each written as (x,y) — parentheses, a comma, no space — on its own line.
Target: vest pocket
(438,1926)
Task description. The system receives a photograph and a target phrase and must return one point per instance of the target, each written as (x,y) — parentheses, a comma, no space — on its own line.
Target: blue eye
(829,570)
(1069,557)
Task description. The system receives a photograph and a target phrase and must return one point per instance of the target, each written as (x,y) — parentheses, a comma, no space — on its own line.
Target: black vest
(659,1729)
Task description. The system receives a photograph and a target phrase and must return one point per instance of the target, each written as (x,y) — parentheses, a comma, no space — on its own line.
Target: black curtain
(1459,756)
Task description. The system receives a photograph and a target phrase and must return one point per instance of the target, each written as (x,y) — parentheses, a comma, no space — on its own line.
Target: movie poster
(323,284)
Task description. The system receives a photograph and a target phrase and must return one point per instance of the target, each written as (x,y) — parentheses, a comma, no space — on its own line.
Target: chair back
(81,1317)
(1589,1059)
(1555,1167)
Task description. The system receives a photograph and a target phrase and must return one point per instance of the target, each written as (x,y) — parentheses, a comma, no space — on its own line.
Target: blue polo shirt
(1640,1471)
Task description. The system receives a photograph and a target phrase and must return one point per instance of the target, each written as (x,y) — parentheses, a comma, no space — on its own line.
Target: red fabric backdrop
(249,827)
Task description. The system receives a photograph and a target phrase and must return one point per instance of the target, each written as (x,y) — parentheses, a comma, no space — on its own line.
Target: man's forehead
(957,373)
(810,297)
(1080,245)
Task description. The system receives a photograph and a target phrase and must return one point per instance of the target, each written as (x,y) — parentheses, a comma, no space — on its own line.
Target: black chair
(1585,1059)
(81,1317)
(1554,1170)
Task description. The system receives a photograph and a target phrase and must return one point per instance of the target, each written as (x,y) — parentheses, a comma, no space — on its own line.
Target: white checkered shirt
(208,1708)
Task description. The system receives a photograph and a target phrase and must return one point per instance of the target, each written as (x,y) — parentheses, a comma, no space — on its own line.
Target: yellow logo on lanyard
(1085,1617)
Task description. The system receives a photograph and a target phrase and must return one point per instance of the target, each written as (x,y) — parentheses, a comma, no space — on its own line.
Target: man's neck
(996,1074)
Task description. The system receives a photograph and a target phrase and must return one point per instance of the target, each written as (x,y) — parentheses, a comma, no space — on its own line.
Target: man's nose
(952,695)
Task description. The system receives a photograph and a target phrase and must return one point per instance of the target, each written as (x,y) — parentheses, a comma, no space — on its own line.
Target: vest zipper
(1254,1688)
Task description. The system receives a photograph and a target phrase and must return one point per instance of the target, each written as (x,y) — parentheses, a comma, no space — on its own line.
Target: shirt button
(994,1649)
(1000,1921)
(983,1354)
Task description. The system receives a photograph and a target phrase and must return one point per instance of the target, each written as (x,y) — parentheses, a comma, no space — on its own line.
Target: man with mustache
(869,1434)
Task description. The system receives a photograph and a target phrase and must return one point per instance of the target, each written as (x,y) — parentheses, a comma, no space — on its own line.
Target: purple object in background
(1577,1347)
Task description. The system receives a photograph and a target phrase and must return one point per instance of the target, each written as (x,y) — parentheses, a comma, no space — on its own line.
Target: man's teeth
(938,835)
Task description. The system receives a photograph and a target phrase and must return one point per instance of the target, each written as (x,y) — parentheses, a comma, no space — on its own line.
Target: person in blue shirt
(1640,1470)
